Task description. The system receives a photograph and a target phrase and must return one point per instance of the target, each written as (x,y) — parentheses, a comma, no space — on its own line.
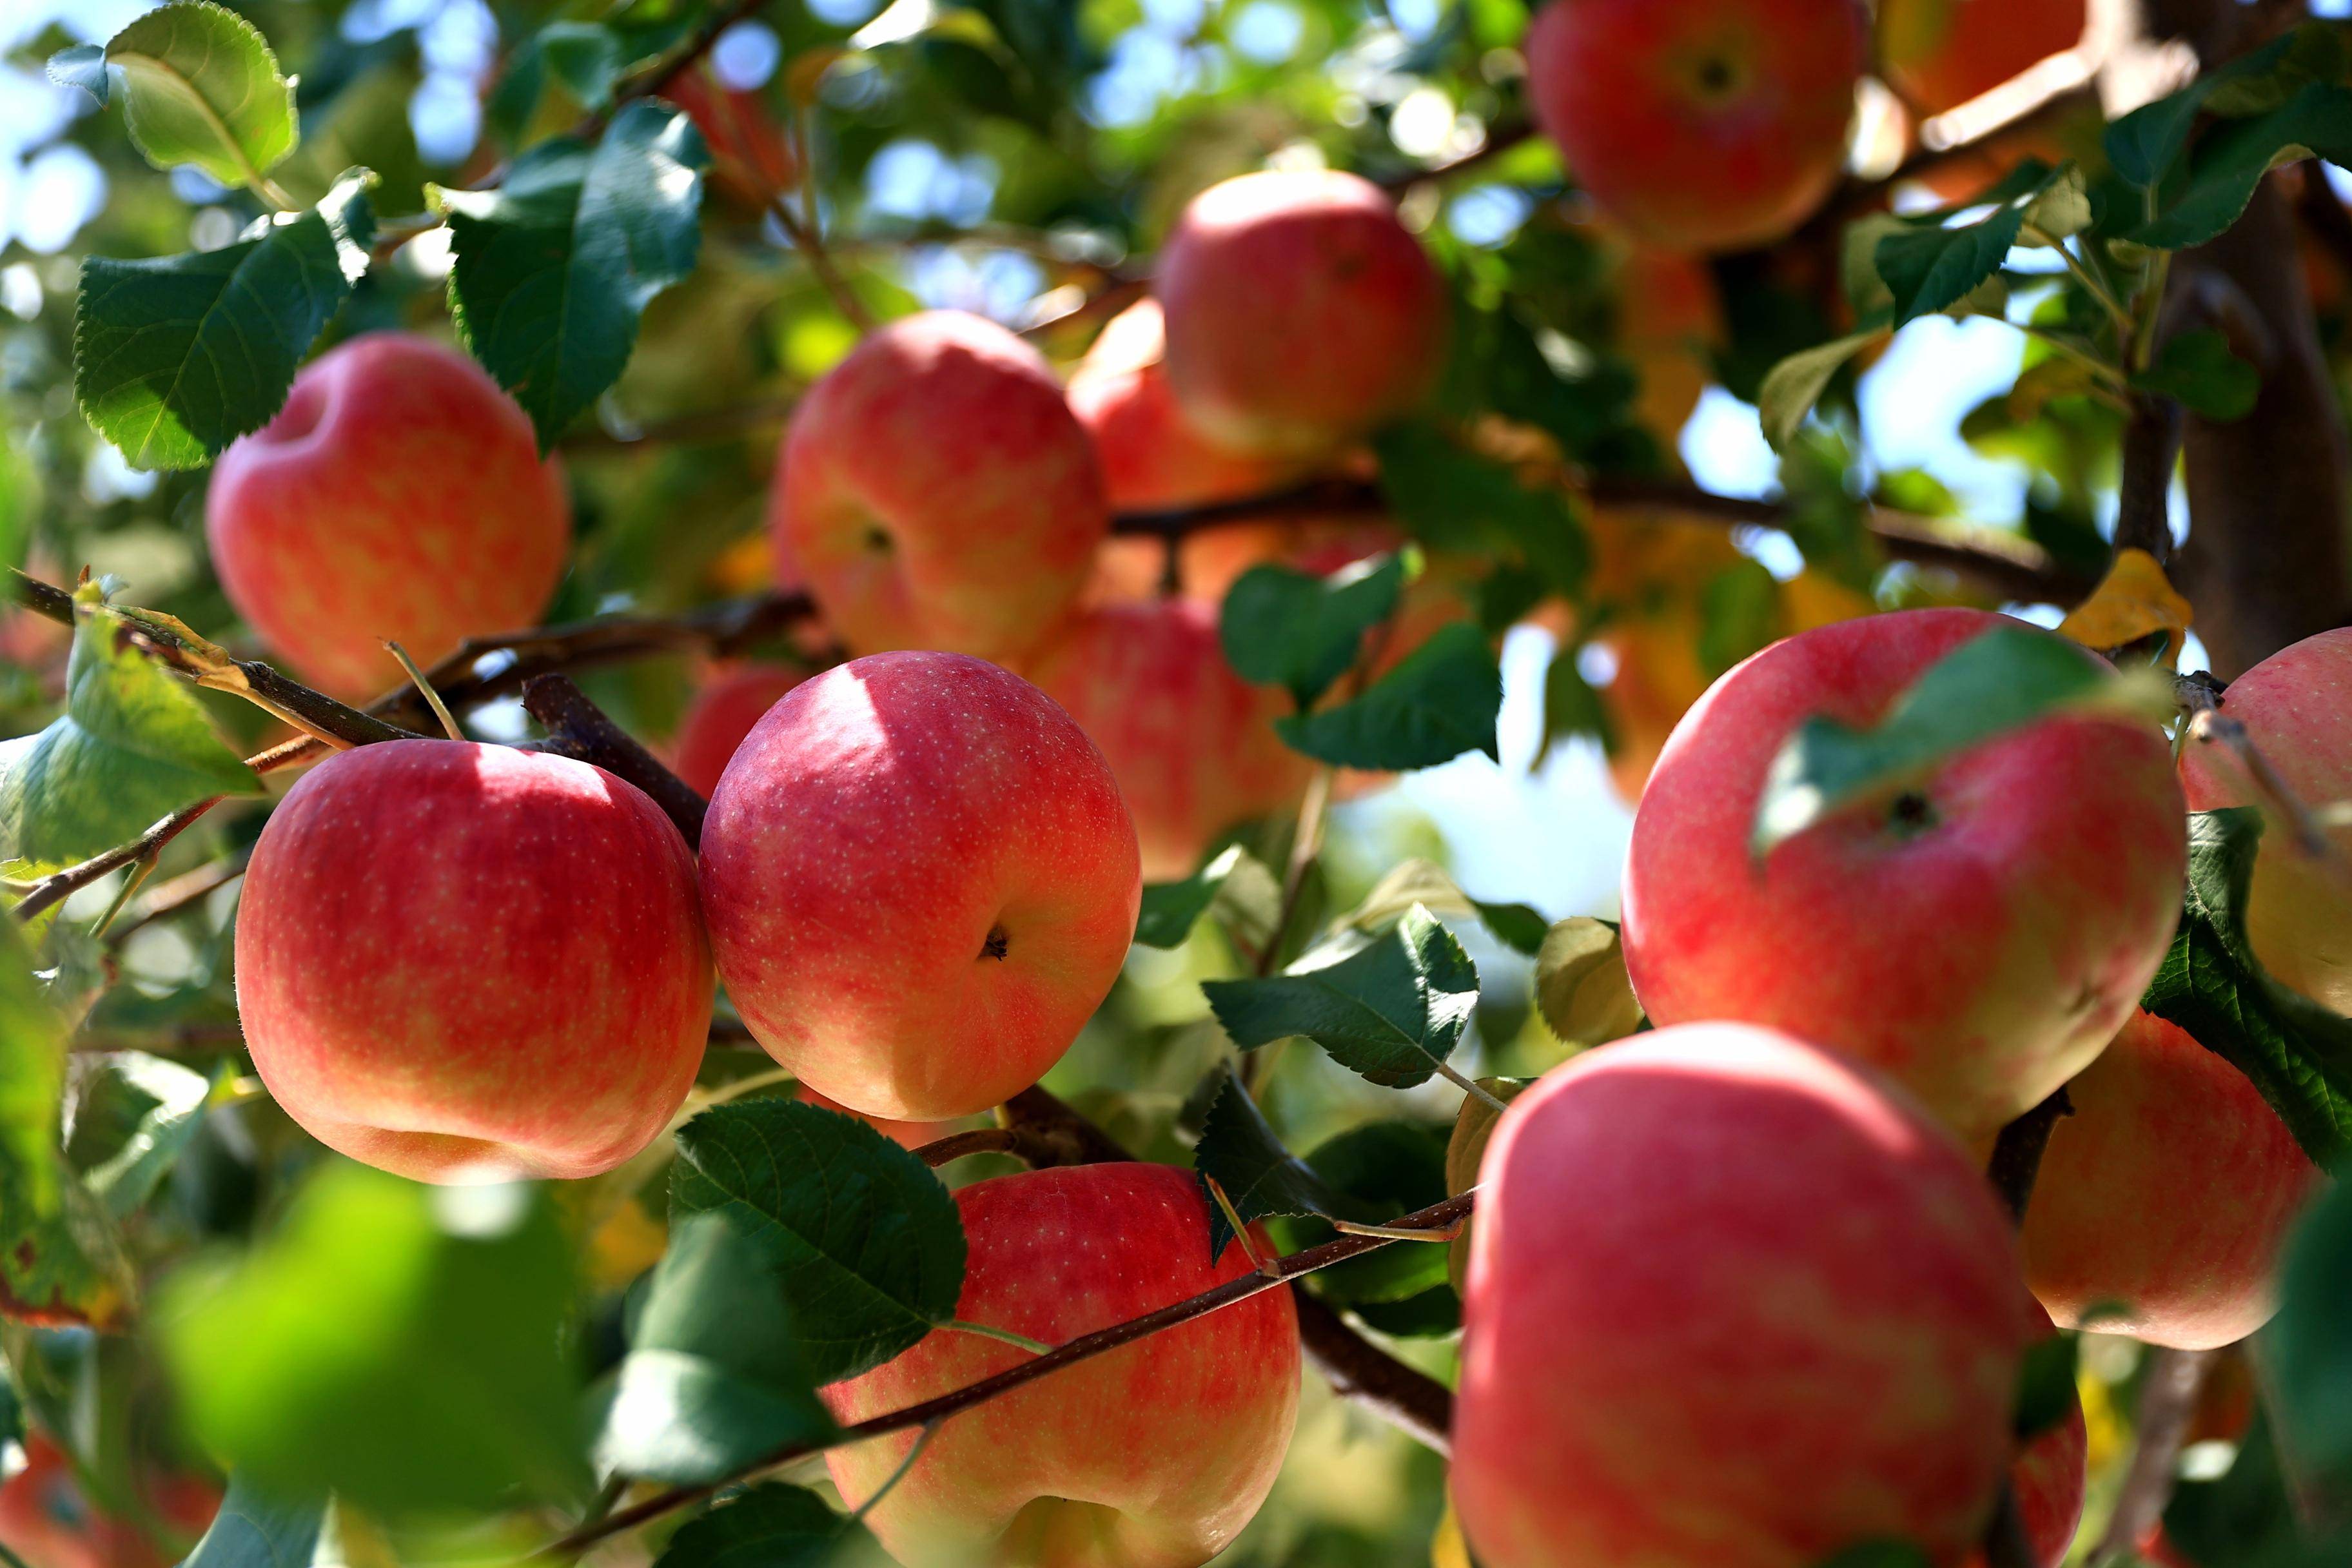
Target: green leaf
(132,747)
(255,1530)
(2231,161)
(2002,680)
(400,1345)
(584,57)
(1287,628)
(1389,1168)
(554,268)
(177,356)
(1581,987)
(1234,884)
(714,1379)
(200,86)
(2142,146)
(1418,882)
(1739,609)
(2045,1386)
(1934,267)
(1797,382)
(873,1250)
(132,1115)
(82,66)
(1240,1152)
(2298,1053)
(2310,1344)
(1456,500)
(1391,1010)
(2197,370)
(767,1526)
(1441,700)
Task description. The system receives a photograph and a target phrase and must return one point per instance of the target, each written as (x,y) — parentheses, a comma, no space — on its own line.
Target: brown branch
(578,729)
(64,884)
(979,1141)
(2151,451)
(1415,1404)
(1500,138)
(1084,1348)
(170,898)
(1057,1134)
(2167,1400)
(809,246)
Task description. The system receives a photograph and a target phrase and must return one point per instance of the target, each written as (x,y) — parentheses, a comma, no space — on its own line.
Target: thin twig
(578,729)
(2151,448)
(2167,1399)
(810,247)
(64,884)
(1500,138)
(650,81)
(979,1141)
(1086,1347)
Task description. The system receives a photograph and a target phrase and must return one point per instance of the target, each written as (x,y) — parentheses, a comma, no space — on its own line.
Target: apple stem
(1234,1218)
(578,729)
(1006,1336)
(1470,1088)
(1399,1232)
(432,697)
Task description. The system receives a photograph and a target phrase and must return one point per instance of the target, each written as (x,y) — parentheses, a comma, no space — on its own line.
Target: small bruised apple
(399,494)
(1939,54)
(1733,1301)
(2296,707)
(1699,124)
(921,880)
(935,491)
(2059,848)
(458,962)
(2163,1201)
(1151,1455)
(722,714)
(1191,743)
(1299,312)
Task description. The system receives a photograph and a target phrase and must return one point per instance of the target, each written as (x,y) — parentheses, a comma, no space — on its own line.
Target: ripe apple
(1208,561)
(906,1134)
(2294,705)
(2168,1195)
(1300,314)
(722,714)
(2058,850)
(458,961)
(1939,54)
(935,490)
(1190,743)
(2049,1477)
(1152,456)
(751,155)
(1151,1455)
(920,881)
(338,524)
(1733,1302)
(1699,124)
(1669,318)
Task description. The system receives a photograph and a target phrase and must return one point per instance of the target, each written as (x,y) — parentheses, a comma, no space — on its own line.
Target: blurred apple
(722,714)
(1939,54)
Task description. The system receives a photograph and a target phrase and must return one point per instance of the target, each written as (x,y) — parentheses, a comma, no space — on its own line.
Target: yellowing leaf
(1447,1549)
(2135,601)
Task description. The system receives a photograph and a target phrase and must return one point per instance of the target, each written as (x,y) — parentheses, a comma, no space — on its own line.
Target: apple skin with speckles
(2296,705)
(934,491)
(921,880)
(458,962)
(1979,937)
(1300,312)
(337,525)
(1733,1301)
(1151,1455)
(2163,1201)
(1191,743)
(1699,124)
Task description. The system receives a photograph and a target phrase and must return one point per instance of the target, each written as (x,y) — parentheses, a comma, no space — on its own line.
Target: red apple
(398,494)
(48,1523)
(1669,318)
(920,881)
(1191,743)
(1300,314)
(2296,705)
(1152,457)
(1939,54)
(2049,1479)
(2167,1195)
(1981,937)
(1733,1302)
(722,714)
(458,961)
(906,1134)
(935,490)
(1699,124)
(1151,1455)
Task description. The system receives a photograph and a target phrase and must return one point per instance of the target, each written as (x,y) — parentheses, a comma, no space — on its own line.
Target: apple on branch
(459,962)
(399,494)
(1981,936)
(921,880)
(1154,1454)
(1732,1302)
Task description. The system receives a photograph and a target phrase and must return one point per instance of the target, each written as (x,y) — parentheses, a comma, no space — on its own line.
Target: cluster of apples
(1716,125)
(1739,1292)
